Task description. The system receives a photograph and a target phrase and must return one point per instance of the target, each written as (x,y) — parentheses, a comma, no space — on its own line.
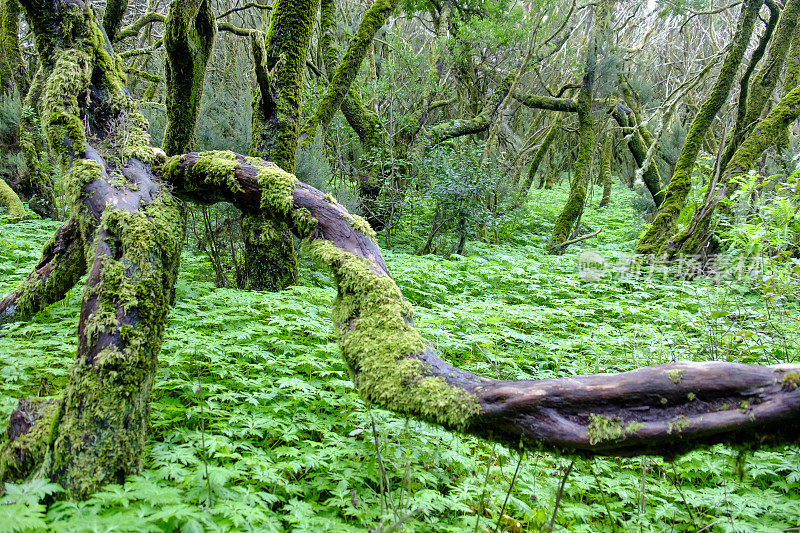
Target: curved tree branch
(666,409)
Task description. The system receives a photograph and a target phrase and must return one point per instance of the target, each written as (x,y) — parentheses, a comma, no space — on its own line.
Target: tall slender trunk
(654,239)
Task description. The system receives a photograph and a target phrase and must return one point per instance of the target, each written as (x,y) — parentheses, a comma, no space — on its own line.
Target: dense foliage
(256,426)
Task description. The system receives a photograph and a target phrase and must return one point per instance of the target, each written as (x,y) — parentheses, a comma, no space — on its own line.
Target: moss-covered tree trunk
(791,79)
(605,167)
(10,200)
(654,239)
(9,40)
(755,93)
(538,156)
(666,409)
(571,212)
(345,73)
(694,239)
(638,145)
(112,17)
(364,122)
(188,40)
(128,232)
(38,186)
(270,262)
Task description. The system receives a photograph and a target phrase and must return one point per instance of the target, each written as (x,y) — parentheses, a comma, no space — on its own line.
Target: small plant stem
(480,507)
(384,480)
(558,496)
(508,493)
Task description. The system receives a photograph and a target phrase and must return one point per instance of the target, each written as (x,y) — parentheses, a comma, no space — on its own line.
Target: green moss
(188,40)
(217,167)
(8,198)
(359,224)
(103,430)
(29,452)
(675,375)
(678,425)
(277,103)
(654,239)
(791,380)
(375,331)
(348,68)
(602,429)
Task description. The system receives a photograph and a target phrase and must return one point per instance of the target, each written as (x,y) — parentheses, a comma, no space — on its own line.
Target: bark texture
(695,238)
(666,410)
(280,61)
(188,40)
(347,70)
(654,238)
(131,234)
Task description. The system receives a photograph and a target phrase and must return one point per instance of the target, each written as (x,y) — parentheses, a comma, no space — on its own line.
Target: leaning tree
(125,231)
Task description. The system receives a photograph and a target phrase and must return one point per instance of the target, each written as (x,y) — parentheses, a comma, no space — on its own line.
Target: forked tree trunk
(654,239)
(694,239)
(755,93)
(270,262)
(130,233)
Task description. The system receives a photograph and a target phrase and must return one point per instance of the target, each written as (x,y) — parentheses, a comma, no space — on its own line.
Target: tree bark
(666,409)
(131,234)
(269,258)
(638,147)
(605,168)
(347,70)
(694,239)
(571,212)
(189,34)
(755,94)
(655,237)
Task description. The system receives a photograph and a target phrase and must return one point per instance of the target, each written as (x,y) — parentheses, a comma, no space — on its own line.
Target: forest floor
(256,426)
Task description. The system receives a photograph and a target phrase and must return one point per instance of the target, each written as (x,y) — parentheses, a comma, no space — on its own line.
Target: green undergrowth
(256,425)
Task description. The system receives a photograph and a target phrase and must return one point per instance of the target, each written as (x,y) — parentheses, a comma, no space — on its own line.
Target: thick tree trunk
(188,39)
(655,237)
(131,235)
(269,257)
